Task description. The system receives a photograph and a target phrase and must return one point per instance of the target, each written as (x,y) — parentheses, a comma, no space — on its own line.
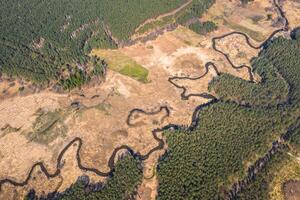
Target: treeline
(81,74)
(203,28)
(295,140)
(204,163)
(270,91)
(281,166)
(39,38)
(283,54)
(259,189)
(123,17)
(271,181)
(185,17)
(195,10)
(279,84)
(123,184)
(295,34)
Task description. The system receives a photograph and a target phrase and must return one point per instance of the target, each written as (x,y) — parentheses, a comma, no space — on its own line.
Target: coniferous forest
(39,40)
(43,40)
(237,130)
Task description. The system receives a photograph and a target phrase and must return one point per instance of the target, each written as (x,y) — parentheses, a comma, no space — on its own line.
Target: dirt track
(173,12)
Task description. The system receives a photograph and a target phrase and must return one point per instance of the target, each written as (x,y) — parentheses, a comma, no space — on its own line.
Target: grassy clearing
(136,72)
(121,63)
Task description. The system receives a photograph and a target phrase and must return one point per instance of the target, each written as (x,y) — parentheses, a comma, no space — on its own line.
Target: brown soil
(292,190)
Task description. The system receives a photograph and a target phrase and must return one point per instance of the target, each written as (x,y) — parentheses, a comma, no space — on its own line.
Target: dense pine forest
(271,90)
(41,40)
(204,163)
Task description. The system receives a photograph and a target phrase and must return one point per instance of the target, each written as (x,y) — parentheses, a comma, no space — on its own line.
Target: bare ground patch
(292,9)
(292,190)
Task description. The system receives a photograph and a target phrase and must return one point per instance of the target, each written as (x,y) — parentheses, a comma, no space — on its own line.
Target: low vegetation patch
(244,2)
(203,28)
(121,63)
(137,72)
(256,18)
(48,126)
(103,107)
